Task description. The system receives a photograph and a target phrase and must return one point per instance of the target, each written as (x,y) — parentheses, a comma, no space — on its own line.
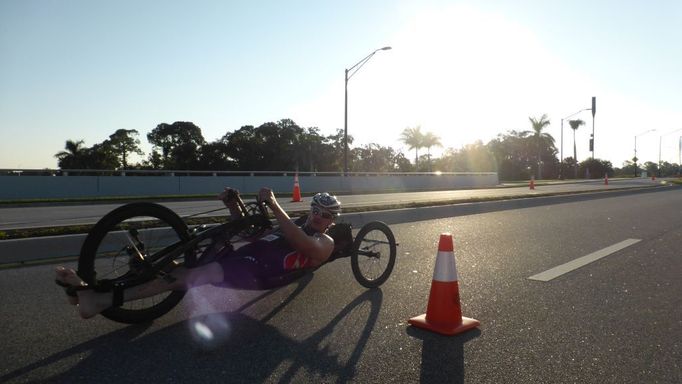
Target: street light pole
(561,155)
(345,128)
(660,139)
(594,111)
(635,158)
(352,70)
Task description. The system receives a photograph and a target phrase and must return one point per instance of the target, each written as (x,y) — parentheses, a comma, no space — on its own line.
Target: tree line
(272,146)
(285,146)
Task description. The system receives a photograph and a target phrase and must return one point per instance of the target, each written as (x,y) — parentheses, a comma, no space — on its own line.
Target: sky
(463,70)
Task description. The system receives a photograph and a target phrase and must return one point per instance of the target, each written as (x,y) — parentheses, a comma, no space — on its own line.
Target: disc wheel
(112,251)
(373,256)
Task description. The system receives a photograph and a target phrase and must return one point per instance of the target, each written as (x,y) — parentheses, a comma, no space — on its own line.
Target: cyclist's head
(325,205)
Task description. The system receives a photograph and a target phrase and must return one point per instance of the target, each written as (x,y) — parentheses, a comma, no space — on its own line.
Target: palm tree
(538,126)
(574,125)
(430,140)
(413,138)
(70,158)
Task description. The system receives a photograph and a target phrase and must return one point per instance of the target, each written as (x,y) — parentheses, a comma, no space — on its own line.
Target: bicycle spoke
(371,257)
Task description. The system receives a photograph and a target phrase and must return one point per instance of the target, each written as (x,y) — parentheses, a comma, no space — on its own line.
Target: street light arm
(667,133)
(573,114)
(647,131)
(350,72)
(359,65)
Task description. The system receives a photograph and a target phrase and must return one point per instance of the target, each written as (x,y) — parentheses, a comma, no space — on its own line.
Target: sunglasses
(318,212)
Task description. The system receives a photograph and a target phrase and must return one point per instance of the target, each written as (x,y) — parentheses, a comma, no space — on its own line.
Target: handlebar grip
(262,206)
(232,194)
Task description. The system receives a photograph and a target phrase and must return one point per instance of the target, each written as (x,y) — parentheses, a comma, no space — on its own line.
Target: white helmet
(326,201)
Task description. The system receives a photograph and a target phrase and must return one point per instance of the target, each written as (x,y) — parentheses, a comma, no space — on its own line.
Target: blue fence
(47,184)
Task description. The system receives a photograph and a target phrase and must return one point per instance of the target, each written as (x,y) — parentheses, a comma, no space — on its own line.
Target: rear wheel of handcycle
(110,253)
(373,255)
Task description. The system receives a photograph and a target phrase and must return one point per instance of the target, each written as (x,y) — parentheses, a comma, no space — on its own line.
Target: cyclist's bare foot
(65,276)
(89,302)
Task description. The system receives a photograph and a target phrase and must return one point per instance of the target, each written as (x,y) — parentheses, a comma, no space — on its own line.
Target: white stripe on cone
(445,269)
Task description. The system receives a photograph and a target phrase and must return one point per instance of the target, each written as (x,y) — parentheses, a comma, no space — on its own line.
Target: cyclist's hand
(228,195)
(266,196)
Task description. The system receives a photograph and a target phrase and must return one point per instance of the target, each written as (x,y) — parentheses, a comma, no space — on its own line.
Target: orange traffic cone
(443,313)
(606,179)
(532,182)
(296,196)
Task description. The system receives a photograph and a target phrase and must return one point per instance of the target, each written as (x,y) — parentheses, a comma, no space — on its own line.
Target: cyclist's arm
(316,248)
(231,204)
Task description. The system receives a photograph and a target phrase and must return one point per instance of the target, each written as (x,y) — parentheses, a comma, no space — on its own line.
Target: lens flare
(203,331)
(208,328)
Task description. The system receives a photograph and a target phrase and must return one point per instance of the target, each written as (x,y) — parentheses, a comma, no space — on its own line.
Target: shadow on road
(442,356)
(219,347)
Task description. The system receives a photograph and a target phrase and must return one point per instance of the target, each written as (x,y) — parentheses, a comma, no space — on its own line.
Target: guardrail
(157,172)
(65,184)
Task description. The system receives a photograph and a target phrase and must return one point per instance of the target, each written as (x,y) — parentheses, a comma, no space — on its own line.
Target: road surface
(617,319)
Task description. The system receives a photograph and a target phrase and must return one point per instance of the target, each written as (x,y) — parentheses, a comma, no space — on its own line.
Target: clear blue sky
(465,70)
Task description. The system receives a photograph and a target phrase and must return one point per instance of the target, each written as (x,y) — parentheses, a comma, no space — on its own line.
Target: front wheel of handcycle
(373,255)
(115,246)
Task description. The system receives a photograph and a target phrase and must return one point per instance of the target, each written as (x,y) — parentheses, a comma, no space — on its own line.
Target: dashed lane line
(582,261)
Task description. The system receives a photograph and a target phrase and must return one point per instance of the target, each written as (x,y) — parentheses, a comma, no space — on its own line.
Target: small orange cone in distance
(532,182)
(296,196)
(443,312)
(606,179)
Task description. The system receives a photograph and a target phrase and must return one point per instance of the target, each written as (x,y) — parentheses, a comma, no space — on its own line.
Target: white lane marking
(582,261)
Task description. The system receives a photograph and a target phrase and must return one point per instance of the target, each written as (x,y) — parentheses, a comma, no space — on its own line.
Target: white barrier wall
(50,187)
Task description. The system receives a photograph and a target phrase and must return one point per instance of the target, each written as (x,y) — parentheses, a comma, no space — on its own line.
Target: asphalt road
(615,320)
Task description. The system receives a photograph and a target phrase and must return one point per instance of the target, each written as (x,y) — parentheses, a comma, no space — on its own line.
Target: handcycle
(139,242)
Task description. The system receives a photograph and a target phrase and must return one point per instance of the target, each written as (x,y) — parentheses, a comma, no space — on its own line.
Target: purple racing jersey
(266,263)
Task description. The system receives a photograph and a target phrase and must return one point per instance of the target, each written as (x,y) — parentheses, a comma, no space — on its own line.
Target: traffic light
(591,145)
(594,105)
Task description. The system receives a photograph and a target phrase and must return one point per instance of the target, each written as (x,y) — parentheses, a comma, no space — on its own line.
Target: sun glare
(458,72)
